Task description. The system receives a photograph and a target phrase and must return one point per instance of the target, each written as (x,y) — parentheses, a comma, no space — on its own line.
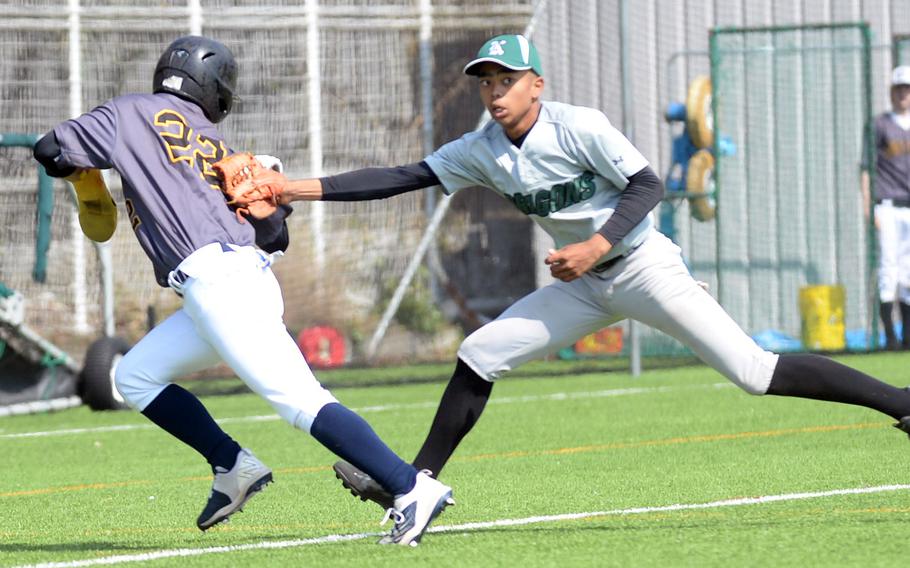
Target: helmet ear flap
(201,70)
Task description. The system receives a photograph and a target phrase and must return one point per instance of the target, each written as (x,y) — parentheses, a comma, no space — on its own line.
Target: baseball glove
(97,210)
(248,185)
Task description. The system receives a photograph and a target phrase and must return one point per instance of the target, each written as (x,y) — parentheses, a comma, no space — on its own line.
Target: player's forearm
(377,183)
(302,190)
(272,232)
(644,192)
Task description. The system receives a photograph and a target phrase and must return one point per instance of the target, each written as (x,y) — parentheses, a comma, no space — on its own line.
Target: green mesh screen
(794,103)
(902,50)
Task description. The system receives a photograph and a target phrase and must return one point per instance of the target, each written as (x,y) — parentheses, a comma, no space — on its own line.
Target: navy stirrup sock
(349,437)
(181,414)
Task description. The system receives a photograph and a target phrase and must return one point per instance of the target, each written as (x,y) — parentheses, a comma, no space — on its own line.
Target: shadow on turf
(81,546)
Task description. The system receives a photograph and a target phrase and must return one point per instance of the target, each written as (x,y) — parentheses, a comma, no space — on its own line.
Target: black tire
(97,379)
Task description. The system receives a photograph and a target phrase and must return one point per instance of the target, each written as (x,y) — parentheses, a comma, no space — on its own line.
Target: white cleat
(414,511)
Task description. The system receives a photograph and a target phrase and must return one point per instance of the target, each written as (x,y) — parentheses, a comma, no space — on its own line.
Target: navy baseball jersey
(163,147)
(892,154)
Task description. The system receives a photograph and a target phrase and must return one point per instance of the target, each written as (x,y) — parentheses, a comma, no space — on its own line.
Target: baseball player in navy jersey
(892,207)
(586,185)
(163,146)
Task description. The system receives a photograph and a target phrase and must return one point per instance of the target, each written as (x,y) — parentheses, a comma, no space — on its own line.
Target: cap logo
(173,82)
(525,48)
(496,47)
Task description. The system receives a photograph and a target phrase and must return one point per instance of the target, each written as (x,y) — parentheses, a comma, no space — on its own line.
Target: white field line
(559,396)
(466,527)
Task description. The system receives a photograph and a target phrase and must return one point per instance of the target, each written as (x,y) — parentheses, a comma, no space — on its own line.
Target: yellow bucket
(822,312)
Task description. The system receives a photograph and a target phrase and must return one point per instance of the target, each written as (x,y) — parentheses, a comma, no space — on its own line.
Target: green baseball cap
(511,51)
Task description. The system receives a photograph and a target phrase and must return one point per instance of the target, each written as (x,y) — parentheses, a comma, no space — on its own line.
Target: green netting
(795,103)
(902,50)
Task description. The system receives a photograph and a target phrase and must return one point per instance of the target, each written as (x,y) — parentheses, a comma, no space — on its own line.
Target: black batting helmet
(201,70)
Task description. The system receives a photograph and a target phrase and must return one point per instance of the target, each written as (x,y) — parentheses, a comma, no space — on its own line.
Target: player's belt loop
(176,279)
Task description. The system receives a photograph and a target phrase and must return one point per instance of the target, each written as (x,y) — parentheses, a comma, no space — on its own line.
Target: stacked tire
(96,382)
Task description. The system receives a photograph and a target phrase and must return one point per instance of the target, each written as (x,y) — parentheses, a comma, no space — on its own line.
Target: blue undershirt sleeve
(272,232)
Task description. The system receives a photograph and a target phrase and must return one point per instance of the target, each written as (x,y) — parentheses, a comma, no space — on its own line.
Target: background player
(892,207)
(163,146)
(585,184)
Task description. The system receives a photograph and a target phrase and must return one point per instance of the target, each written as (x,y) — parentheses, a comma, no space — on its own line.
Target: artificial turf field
(674,468)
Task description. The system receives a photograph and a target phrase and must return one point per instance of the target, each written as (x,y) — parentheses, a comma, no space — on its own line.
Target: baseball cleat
(362,485)
(233,488)
(414,511)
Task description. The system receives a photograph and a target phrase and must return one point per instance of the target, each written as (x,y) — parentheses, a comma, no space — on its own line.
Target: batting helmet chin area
(201,70)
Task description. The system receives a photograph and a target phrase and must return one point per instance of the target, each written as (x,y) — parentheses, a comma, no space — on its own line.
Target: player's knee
(134,385)
(753,389)
(479,358)
(754,375)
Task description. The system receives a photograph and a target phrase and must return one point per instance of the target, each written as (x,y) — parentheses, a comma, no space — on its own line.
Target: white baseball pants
(651,285)
(232,312)
(894,252)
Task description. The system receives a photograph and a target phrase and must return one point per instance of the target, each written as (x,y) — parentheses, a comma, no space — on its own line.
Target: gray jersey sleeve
(453,165)
(606,149)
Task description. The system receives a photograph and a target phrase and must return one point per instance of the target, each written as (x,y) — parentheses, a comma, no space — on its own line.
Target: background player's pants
(894,252)
(651,285)
(232,312)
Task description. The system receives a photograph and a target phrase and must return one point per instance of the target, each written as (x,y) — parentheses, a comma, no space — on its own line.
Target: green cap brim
(470,68)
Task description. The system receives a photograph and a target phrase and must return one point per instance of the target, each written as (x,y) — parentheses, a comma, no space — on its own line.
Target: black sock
(462,403)
(884,311)
(820,378)
(905,324)
(349,437)
(181,414)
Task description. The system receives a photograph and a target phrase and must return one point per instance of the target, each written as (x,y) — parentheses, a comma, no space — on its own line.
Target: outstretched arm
(361,185)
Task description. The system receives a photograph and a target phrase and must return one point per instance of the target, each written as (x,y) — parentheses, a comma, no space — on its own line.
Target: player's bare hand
(571,261)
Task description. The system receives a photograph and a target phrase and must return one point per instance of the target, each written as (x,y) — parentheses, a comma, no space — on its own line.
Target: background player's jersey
(163,147)
(892,154)
(567,175)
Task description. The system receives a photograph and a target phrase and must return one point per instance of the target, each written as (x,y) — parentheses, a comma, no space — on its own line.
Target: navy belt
(894,202)
(177,278)
(608,264)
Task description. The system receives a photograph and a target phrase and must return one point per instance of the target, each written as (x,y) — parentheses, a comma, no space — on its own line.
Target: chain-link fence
(627,58)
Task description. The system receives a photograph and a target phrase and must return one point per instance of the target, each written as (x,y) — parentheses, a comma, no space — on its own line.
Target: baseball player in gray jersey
(163,146)
(583,182)
(892,207)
